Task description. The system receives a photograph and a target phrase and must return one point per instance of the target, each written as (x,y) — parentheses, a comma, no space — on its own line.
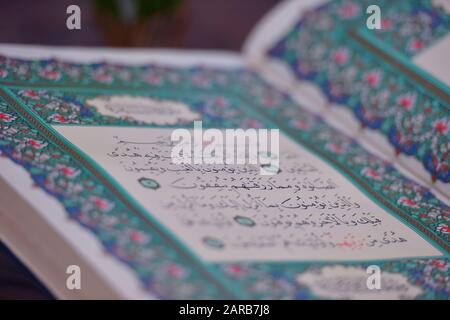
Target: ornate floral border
(321,49)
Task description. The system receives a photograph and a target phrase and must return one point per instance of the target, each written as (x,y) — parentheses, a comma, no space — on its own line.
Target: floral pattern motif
(319,49)
(220,96)
(278,281)
(70,107)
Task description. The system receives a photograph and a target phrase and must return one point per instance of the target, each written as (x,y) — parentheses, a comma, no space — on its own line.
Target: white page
(308,211)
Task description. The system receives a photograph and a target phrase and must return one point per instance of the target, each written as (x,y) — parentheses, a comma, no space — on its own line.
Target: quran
(87,183)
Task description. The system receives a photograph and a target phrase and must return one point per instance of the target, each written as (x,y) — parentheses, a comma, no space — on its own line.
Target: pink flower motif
(6,117)
(406,101)
(301,124)
(234,269)
(175,270)
(102,77)
(36,144)
(348,10)
(439,264)
(415,44)
(3,73)
(335,148)
(386,23)
(220,101)
(443,228)
(371,173)
(252,123)
(404,201)
(340,56)
(101,204)
(28,93)
(50,74)
(138,236)
(200,81)
(58,118)
(441,126)
(268,101)
(372,78)
(153,79)
(68,171)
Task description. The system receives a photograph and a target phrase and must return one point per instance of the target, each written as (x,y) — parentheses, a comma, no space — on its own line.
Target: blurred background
(184,24)
(208,24)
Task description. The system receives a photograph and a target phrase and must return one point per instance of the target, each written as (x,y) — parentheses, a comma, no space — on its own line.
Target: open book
(86,177)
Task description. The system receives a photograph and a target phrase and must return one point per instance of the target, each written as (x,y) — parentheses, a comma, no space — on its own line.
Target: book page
(308,211)
(93,140)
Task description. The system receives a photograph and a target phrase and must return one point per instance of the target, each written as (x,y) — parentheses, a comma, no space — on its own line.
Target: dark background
(199,24)
(209,24)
